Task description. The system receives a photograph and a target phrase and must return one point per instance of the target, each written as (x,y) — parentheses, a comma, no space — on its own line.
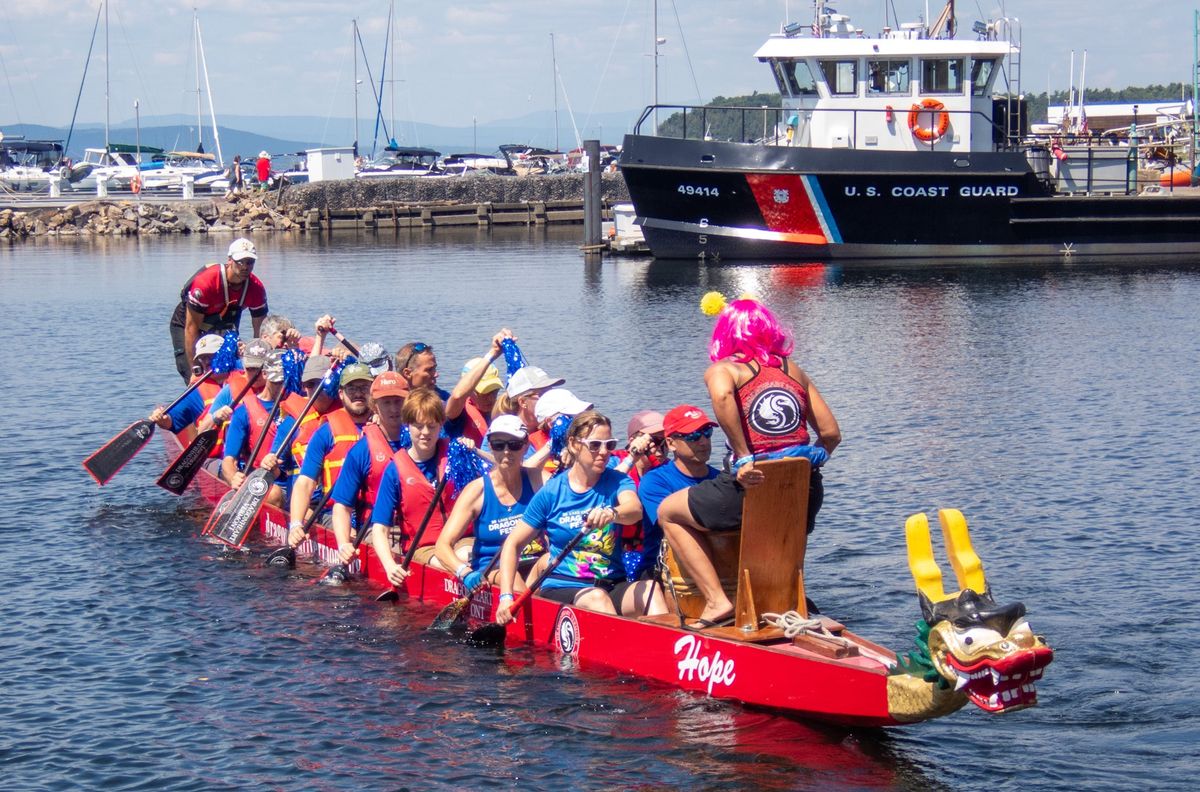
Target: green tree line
(747,125)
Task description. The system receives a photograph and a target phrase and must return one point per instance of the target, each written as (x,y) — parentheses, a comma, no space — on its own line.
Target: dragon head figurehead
(968,647)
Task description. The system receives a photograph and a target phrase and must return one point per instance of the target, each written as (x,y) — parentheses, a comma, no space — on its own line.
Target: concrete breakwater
(402,202)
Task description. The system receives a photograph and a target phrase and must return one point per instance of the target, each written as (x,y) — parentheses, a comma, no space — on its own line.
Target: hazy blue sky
(492,60)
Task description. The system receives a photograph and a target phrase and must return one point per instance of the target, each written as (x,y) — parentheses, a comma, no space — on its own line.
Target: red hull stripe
(788,208)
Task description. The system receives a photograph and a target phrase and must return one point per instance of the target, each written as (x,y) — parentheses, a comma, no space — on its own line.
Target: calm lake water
(1058,408)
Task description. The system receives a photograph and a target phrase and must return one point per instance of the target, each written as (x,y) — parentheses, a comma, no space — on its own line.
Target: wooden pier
(482,215)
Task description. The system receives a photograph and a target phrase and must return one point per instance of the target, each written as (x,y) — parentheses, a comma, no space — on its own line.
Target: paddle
(180,473)
(235,525)
(393,594)
(286,556)
(448,616)
(108,460)
(492,633)
(345,341)
(223,505)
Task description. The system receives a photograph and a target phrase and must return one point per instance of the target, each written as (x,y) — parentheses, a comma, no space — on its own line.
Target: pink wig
(747,330)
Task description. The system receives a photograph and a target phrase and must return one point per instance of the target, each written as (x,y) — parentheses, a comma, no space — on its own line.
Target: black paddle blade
(218,512)
(234,525)
(490,634)
(282,557)
(391,595)
(112,456)
(450,614)
(179,475)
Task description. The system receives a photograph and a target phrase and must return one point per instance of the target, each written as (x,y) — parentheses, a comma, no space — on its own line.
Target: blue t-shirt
(654,488)
(237,437)
(495,521)
(187,411)
(391,493)
(559,511)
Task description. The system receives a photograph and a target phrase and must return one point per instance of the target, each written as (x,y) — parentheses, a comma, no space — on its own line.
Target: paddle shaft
(344,341)
(205,377)
(553,565)
(183,469)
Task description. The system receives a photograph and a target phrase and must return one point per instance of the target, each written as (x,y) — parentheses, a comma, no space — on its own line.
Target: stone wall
(368,193)
(253,212)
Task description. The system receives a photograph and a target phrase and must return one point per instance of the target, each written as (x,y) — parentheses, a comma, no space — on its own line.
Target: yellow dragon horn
(925,571)
(968,569)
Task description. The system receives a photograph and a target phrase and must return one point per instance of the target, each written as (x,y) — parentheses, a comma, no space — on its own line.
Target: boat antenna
(212,112)
(687,55)
(554,65)
(375,94)
(106,83)
(87,61)
(196,44)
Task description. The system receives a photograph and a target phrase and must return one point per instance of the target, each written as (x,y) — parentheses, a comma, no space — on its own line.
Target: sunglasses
(692,437)
(506,445)
(417,349)
(596,446)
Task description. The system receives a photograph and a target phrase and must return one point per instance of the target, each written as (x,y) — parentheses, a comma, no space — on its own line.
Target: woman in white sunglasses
(591,499)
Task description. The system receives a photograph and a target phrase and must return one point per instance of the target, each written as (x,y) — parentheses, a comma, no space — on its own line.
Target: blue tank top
(495,521)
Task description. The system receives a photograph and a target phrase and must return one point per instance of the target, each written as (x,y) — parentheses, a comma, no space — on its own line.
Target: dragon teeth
(995,677)
(961,683)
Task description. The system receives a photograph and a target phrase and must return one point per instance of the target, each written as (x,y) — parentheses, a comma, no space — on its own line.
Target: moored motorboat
(971,649)
(909,144)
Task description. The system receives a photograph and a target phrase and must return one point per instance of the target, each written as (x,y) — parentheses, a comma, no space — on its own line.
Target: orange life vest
(345,434)
(476,424)
(308,427)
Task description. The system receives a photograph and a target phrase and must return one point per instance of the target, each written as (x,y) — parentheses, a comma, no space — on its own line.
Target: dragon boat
(969,648)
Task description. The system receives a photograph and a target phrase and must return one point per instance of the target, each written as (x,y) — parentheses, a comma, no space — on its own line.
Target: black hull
(705,199)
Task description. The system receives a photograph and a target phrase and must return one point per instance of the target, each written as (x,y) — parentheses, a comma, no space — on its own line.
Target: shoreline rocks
(290,210)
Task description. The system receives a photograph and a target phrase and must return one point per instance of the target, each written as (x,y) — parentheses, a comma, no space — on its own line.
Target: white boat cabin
(898,92)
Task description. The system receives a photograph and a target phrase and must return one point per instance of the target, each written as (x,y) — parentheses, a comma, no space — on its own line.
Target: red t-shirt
(263,165)
(209,293)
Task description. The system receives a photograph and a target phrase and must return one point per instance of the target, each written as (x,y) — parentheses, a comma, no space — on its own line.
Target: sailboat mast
(208,89)
(554,76)
(354,52)
(106,82)
(392,66)
(196,50)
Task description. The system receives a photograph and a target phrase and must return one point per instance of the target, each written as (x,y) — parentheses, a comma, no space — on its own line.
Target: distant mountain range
(247,135)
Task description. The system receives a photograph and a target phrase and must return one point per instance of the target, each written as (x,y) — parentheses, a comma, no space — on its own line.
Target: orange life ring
(933,133)
(135,184)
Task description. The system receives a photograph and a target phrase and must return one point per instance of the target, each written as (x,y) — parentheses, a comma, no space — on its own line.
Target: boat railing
(783,125)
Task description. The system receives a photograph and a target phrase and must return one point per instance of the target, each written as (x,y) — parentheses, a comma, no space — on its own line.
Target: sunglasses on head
(506,445)
(692,437)
(596,446)
(417,349)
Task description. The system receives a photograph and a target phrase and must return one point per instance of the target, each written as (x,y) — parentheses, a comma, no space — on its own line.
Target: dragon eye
(968,640)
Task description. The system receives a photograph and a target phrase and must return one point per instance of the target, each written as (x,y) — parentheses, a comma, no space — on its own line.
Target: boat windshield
(981,75)
(794,78)
(942,76)
(841,76)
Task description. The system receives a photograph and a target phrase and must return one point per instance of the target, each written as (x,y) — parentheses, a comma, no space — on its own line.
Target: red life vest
(476,425)
(345,434)
(773,409)
(538,439)
(381,453)
(416,493)
(258,416)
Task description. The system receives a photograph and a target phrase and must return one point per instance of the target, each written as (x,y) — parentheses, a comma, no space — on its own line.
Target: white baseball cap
(208,344)
(241,249)
(558,401)
(508,425)
(530,378)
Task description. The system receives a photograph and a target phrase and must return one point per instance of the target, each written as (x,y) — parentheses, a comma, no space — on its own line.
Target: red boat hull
(851,691)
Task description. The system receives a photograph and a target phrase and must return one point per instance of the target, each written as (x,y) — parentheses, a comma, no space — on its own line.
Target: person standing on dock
(262,169)
(212,302)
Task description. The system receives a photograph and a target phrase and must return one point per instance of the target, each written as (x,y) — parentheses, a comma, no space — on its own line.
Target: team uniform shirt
(237,437)
(390,493)
(559,512)
(354,474)
(319,446)
(656,485)
(220,302)
(495,521)
(187,412)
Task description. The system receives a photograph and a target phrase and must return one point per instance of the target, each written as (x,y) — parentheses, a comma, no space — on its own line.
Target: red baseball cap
(389,383)
(684,419)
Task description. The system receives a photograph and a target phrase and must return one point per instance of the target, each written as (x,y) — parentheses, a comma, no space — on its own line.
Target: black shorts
(716,504)
(566,595)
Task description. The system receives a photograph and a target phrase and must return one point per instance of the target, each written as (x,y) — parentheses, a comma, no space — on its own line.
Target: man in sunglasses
(688,433)
(417,364)
(213,299)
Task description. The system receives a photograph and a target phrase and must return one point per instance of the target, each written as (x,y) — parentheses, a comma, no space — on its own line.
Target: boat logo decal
(258,487)
(692,665)
(174,480)
(566,631)
(783,196)
(380,456)
(141,432)
(775,411)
